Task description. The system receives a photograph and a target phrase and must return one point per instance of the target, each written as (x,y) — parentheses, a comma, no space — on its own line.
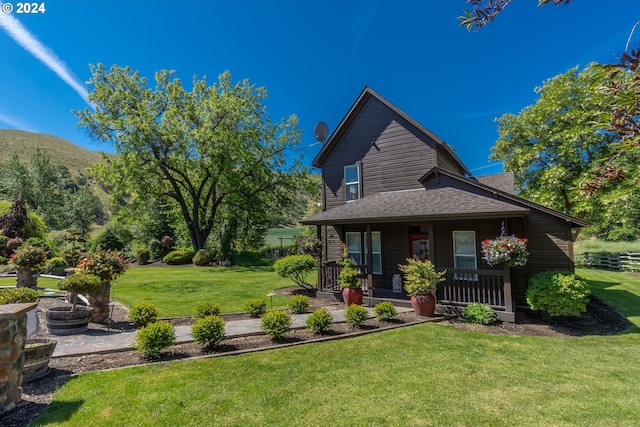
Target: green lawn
(176,290)
(272,238)
(422,375)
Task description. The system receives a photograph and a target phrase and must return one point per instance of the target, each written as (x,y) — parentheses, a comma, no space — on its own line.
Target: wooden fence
(623,261)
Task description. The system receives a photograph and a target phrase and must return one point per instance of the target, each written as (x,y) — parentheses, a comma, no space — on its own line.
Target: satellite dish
(321,131)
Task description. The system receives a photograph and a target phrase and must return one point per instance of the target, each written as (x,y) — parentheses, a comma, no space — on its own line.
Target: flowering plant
(105,264)
(309,246)
(505,249)
(30,257)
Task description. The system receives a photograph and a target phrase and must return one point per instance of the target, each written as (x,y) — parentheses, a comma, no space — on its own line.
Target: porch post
(319,257)
(508,300)
(369,262)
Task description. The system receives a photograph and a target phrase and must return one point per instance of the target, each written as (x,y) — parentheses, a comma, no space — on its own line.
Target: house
(392,189)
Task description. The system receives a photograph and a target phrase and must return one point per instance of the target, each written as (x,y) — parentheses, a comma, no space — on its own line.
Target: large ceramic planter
(352,296)
(37,354)
(64,321)
(424,305)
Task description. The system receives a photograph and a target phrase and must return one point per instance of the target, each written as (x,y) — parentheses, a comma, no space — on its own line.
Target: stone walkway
(100,341)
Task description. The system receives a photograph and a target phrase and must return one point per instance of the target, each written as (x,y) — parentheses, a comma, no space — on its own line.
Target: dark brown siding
(393,153)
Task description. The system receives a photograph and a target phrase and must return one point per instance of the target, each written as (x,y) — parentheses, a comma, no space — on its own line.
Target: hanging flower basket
(510,250)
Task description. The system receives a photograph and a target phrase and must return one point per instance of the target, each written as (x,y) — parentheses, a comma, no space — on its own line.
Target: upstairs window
(351,183)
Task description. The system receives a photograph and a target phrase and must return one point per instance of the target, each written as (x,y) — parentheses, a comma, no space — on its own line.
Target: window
(464,253)
(355,243)
(354,246)
(351,183)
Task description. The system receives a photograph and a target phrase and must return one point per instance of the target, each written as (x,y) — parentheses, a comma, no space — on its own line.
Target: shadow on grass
(58,411)
(625,302)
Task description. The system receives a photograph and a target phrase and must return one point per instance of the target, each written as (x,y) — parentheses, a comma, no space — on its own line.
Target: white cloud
(31,44)
(16,122)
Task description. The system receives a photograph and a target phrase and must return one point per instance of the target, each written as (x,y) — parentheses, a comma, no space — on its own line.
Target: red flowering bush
(511,250)
(105,264)
(33,258)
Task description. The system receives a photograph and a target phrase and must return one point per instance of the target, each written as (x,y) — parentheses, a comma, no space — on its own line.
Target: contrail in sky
(31,44)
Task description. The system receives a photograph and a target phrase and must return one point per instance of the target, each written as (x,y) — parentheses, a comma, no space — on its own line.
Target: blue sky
(314,57)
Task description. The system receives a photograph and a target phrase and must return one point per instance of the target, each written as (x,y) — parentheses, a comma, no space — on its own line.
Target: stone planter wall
(13,333)
(100,302)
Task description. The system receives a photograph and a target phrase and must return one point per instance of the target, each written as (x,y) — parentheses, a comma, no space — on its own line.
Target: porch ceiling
(422,204)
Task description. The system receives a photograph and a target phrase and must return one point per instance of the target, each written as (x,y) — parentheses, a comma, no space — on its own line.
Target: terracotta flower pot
(424,305)
(352,296)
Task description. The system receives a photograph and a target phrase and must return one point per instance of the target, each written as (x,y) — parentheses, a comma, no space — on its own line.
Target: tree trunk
(100,301)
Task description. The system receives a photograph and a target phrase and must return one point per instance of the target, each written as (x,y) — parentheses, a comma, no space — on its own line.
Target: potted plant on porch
(74,319)
(348,280)
(420,281)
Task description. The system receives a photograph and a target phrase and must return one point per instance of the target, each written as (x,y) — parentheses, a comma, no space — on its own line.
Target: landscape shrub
(207,308)
(204,257)
(558,293)
(18,295)
(319,322)
(154,337)
(55,264)
(142,313)
(298,304)
(276,324)
(255,307)
(143,256)
(296,268)
(385,310)
(159,248)
(356,315)
(209,330)
(480,313)
(107,241)
(179,257)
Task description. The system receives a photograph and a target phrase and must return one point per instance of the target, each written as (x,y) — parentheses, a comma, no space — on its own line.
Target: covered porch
(461,287)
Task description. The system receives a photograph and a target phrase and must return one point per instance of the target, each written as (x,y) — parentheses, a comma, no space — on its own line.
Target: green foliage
(55,263)
(18,295)
(255,307)
(161,247)
(143,256)
(108,241)
(80,283)
(207,308)
(348,277)
(276,324)
(298,304)
(558,293)
(296,268)
(107,265)
(476,312)
(247,259)
(420,277)
(204,257)
(319,322)
(239,155)
(179,257)
(33,258)
(209,330)
(151,339)
(356,315)
(143,313)
(385,310)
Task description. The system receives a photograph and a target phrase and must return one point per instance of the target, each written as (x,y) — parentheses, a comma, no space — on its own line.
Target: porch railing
(491,287)
(331,272)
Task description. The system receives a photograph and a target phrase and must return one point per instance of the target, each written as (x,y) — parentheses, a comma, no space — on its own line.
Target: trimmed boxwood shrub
(276,324)
(18,295)
(558,293)
(209,331)
(319,322)
(179,257)
(154,337)
(296,268)
(108,241)
(143,256)
(385,310)
(204,257)
(356,315)
(480,313)
(255,307)
(207,308)
(298,304)
(143,313)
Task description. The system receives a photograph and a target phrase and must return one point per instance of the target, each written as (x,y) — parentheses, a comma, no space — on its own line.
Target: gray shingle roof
(423,204)
(505,181)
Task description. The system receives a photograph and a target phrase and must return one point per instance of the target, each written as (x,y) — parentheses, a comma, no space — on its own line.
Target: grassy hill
(23,143)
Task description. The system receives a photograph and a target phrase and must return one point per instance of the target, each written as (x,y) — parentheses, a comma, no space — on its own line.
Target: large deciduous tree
(209,149)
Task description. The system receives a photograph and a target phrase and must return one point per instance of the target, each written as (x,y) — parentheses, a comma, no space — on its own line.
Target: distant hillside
(23,143)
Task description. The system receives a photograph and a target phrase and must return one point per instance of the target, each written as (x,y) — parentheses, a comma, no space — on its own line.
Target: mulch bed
(600,319)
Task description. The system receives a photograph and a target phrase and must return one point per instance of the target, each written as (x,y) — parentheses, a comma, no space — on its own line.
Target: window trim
(347,183)
(456,255)
(364,249)
(346,241)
